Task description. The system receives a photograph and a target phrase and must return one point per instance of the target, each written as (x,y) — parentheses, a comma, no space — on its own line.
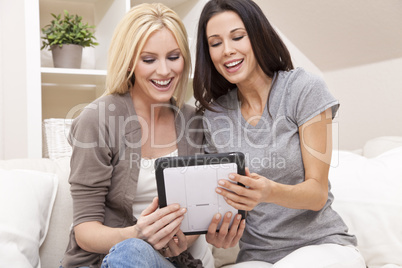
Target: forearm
(98,238)
(310,194)
(157,227)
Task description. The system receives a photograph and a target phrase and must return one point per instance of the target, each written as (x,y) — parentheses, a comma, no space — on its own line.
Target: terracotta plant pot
(67,56)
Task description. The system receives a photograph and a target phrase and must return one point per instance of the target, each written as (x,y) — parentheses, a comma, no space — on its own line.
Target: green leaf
(67,30)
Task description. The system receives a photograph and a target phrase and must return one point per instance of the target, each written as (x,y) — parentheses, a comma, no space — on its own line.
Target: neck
(149,110)
(254,94)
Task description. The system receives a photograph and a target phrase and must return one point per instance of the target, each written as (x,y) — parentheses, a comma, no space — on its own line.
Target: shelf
(49,70)
(79,77)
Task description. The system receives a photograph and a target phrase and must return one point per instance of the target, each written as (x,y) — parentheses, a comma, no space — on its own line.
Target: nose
(228,49)
(163,68)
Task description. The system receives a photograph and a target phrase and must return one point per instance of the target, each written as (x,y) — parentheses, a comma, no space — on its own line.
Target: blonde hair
(129,38)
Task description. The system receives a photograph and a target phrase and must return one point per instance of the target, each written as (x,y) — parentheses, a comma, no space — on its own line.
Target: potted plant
(66,37)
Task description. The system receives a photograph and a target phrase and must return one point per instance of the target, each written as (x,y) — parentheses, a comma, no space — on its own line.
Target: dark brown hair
(269,50)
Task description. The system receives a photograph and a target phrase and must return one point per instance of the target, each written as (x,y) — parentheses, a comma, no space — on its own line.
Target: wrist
(272,188)
(128,232)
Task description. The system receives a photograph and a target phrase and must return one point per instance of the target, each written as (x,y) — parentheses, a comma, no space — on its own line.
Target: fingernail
(217,216)
(183,210)
(229,215)
(177,206)
(218,190)
(221,182)
(239,217)
(231,176)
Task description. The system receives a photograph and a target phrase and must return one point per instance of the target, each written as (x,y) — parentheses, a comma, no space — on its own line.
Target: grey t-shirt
(272,149)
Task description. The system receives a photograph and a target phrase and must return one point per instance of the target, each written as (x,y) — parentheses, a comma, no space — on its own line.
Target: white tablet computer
(191,182)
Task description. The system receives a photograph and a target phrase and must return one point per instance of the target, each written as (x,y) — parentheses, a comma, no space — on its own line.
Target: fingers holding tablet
(176,245)
(257,190)
(226,237)
(158,226)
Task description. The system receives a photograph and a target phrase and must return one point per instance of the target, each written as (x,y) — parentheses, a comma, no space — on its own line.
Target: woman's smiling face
(230,48)
(159,68)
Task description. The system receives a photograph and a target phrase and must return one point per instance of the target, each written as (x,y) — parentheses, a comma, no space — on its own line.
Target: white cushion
(368,196)
(26,199)
(379,145)
(224,257)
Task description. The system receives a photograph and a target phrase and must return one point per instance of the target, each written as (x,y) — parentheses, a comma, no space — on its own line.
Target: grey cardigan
(106,140)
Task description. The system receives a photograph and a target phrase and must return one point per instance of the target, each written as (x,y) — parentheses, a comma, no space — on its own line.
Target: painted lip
(233,65)
(162,84)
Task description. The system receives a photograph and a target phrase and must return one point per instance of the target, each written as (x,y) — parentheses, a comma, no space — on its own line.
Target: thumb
(247,172)
(151,208)
(251,175)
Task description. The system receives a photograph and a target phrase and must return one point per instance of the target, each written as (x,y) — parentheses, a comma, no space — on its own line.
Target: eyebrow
(172,51)
(232,31)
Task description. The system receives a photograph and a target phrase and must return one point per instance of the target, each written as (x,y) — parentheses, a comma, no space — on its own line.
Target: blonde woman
(116,139)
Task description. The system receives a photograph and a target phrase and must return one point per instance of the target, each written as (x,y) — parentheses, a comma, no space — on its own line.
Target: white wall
(2,37)
(20,123)
(371,101)
(190,12)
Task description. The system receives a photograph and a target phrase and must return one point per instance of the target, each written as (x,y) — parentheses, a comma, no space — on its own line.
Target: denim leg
(132,253)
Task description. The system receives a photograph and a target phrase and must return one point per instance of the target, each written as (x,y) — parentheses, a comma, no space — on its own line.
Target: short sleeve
(309,96)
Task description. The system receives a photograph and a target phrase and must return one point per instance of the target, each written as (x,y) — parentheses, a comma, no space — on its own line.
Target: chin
(235,81)
(163,99)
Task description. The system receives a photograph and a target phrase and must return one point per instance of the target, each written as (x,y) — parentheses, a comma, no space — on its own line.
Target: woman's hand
(257,190)
(176,245)
(158,227)
(225,238)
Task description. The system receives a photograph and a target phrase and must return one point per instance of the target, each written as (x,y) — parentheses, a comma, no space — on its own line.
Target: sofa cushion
(26,199)
(379,145)
(225,257)
(368,196)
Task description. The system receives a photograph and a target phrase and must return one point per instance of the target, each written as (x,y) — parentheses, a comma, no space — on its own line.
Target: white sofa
(367,186)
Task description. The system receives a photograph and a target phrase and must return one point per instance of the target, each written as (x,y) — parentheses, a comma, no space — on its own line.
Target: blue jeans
(135,253)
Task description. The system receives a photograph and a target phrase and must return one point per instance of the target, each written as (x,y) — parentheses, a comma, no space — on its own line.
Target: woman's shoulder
(299,81)
(188,110)
(223,104)
(297,77)
(113,103)
(190,115)
(101,108)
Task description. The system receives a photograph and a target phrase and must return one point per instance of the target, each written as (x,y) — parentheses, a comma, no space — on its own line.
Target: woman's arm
(95,237)
(155,226)
(316,148)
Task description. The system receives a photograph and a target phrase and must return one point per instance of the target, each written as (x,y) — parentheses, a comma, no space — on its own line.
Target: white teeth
(233,63)
(162,83)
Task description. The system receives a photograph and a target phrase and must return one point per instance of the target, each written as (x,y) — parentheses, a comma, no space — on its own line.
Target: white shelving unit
(64,91)
(32,90)
(63,76)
